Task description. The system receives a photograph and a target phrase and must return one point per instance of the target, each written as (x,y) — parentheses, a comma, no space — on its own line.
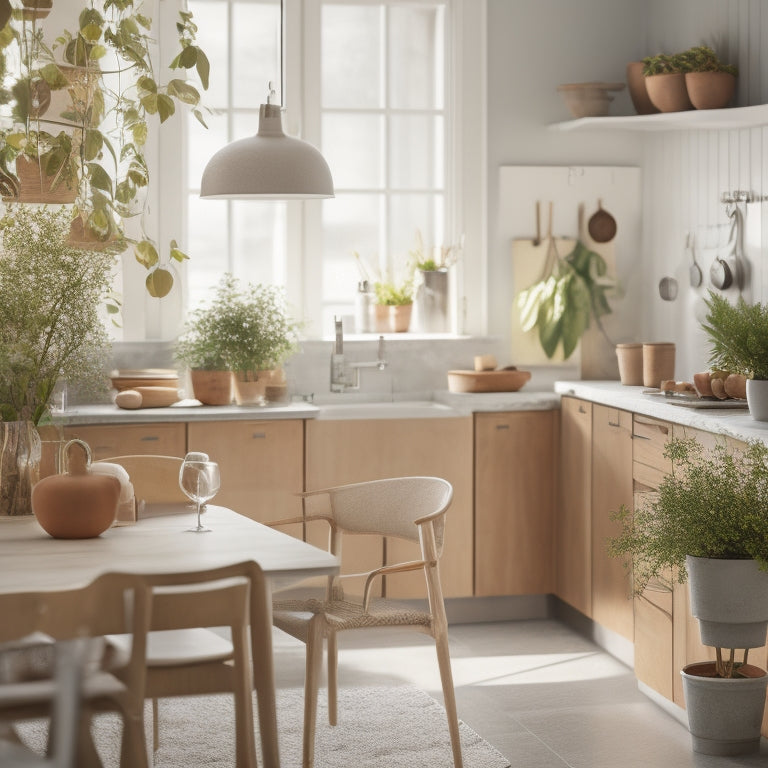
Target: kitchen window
(373,84)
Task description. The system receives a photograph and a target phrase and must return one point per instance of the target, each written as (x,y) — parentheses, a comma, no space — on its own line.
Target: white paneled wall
(685,173)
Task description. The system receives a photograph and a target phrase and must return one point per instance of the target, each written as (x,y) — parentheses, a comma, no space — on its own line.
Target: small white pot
(757,399)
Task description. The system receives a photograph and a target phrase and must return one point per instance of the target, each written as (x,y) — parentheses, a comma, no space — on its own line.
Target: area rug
(379,727)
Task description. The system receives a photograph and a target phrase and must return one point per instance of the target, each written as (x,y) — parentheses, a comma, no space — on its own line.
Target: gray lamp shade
(267,166)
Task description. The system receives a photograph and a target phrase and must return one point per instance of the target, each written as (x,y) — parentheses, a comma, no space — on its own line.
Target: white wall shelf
(692,120)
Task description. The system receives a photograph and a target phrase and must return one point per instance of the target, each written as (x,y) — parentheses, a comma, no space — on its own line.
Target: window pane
(409,213)
(203,144)
(351,41)
(352,146)
(208,246)
(416,151)
(256,51)
(211,17)
(350,223)
(415,57)
(258,241)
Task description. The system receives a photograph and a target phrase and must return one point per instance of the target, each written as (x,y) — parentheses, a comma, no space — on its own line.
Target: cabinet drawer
(106,441)
(650,437)
(646,478)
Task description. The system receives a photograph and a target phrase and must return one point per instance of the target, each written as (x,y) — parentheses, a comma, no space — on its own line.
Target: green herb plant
(702,58)
(390,291)
(425,261)
(661,64)
(738,336)
(712,504)
(50,323)
(572,291)
(243,329)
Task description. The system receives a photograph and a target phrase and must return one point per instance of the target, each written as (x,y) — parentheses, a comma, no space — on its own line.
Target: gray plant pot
(757,399)
(724,715)
(730,600)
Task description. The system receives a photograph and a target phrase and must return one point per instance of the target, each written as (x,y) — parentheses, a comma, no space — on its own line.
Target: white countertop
(735,423)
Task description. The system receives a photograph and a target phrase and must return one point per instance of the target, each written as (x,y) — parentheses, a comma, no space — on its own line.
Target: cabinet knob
(149,438)
(259,435)
(614,424)
(502,426)
(582,409)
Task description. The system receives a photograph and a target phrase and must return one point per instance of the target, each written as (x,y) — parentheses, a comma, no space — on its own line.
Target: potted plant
(707,523)
(58,335)
(105,70)
(665,83)
(431,298)
(244,330)
(738,336)
(393,297)
(572,291)
(709,82)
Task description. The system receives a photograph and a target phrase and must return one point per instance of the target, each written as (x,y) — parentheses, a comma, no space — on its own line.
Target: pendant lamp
(267,166)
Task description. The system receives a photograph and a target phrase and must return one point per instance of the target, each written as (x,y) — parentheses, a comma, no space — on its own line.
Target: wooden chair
(410,508)
(41,678)
(185,658)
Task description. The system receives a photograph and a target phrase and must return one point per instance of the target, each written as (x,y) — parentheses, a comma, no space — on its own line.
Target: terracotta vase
(212,387)
(20,452)
(35,9)
(658,363)
(630,358)
(668,92)
(393,319)
(710,90)
(251,386)
(637,90)
(36,187)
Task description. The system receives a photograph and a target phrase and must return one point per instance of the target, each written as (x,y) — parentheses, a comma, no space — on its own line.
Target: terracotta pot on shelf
(212,387)
(637,90)
(710,90)
(668,92)
(393,318)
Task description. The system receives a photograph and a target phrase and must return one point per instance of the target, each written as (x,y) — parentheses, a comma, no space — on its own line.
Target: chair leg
(155,726)
(449,696)
(243,690)
(134,747)
(87,756)
(333,686)
(311,684)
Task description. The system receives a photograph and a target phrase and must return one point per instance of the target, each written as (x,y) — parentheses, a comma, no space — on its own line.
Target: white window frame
(466,187)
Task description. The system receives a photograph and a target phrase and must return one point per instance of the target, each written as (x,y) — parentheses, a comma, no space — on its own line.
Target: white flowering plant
(243,329)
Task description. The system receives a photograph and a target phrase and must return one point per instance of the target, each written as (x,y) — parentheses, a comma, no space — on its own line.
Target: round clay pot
(630,357)
(212,387)
(668,92)
(393,319)
(637,90)
(710,90)
(78,504)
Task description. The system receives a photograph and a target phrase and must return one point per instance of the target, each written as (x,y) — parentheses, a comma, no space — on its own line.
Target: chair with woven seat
(41,677)
(411,508)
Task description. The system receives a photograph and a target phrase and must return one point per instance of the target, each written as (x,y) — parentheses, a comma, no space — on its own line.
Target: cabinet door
(611,489)
(164,439)
(261,463)
(574,519)
(350,451)
(515,480)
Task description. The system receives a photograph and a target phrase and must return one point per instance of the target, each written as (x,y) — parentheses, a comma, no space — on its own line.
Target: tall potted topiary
(244,330)
(707,523)
(50,329)
(738,336)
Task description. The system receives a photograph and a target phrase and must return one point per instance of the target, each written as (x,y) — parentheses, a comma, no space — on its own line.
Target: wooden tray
(487,381)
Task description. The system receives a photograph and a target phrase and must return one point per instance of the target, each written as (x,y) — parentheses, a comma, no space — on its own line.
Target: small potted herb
(710,83)
(665,83)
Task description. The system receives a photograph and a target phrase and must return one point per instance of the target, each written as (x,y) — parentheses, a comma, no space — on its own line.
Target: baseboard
(475,610)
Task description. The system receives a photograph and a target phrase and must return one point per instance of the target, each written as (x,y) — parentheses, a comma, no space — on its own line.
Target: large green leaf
(146,254)
(181,90)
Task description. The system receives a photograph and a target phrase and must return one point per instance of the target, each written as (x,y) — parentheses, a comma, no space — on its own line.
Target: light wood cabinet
(348,451)
(261,463)
(573,520)
(107,440)
(515,491)
(611,489)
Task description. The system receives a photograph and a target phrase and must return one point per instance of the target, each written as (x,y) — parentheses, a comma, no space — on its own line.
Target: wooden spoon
(601,225)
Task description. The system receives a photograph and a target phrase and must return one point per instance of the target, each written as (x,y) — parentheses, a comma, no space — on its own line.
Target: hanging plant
(571,292)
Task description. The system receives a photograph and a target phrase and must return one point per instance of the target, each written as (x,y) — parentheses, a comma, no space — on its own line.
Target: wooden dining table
(32,561)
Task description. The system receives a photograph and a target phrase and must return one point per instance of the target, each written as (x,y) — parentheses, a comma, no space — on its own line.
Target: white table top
(31,560)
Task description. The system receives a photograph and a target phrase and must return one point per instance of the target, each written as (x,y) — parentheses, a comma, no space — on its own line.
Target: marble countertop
(733,422)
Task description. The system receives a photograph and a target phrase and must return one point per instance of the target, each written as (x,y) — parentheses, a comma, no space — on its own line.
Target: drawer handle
(259,435)
(149,438)
(640,437)
(614,424)
(582,409)
(502,426)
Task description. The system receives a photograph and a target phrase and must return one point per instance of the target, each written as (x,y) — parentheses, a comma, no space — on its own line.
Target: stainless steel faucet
(345,377)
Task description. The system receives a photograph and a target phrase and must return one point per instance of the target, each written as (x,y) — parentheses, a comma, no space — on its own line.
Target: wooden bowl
(487,381)
(144,377)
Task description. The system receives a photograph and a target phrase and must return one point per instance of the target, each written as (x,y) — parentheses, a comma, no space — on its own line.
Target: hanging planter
(36,186)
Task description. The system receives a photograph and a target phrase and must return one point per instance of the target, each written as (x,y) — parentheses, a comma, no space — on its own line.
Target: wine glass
(200,481)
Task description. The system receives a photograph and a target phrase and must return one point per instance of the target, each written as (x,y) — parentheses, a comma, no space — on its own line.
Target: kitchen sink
(406,409)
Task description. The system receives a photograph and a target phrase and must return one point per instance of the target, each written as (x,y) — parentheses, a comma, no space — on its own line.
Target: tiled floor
(544,696)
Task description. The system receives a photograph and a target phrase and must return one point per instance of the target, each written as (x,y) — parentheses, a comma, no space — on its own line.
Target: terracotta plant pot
(668,92)
(637,90)
(35,187)
(710,90)
(658,363)
(212,387)
(393,319)
(630,357)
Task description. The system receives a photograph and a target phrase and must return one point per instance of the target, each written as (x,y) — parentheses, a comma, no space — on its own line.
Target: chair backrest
(392,507)
(155,479)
